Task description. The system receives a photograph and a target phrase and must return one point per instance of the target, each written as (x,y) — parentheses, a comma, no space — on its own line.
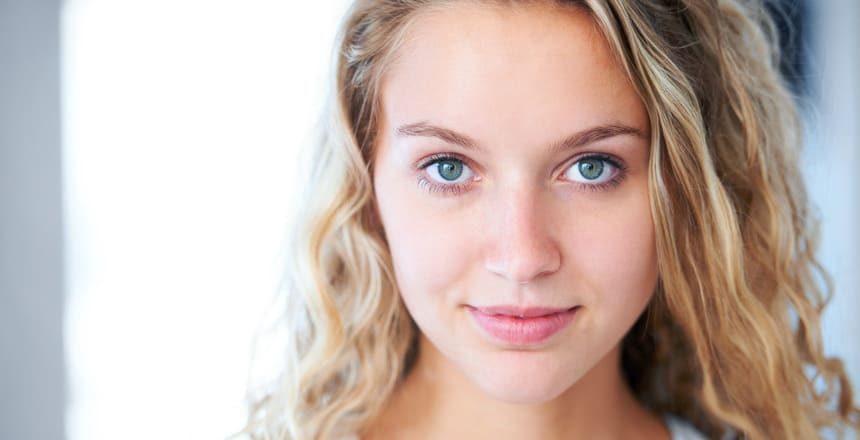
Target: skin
(524,228)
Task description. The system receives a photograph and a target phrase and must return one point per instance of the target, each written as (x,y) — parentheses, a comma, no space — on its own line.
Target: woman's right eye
(449,170)
(445,174)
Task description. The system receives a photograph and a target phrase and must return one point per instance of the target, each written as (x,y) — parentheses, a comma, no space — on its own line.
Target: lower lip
(522,331)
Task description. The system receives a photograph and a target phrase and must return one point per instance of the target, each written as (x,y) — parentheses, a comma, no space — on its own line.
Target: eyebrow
(574,141)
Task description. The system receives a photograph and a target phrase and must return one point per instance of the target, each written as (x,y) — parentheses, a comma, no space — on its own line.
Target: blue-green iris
(449,169)
(591,168)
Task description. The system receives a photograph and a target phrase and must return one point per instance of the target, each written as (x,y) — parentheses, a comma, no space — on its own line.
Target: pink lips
(521,326)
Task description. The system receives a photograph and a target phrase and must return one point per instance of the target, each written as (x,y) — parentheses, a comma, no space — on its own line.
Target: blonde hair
(731,340)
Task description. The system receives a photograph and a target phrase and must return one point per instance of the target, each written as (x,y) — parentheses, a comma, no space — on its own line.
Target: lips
(521,325)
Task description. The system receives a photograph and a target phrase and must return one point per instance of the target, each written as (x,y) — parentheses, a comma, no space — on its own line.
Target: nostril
(525,266)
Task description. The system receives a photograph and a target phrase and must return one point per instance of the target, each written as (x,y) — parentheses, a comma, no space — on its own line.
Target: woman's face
(511,172)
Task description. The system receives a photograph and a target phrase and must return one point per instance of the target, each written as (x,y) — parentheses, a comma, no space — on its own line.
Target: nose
(521,247)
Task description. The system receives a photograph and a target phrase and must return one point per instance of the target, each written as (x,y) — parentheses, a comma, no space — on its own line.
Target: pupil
(450,170)
(591,168)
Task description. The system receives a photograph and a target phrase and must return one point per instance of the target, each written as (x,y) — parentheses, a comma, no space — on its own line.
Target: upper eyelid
(433,158)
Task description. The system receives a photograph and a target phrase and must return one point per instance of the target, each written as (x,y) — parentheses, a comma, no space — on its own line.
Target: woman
(555,219)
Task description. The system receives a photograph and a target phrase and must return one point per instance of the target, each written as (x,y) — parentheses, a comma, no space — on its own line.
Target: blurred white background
(181,119)
(180,123)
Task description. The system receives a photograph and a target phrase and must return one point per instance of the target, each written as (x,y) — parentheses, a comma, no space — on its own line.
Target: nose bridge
(522,246)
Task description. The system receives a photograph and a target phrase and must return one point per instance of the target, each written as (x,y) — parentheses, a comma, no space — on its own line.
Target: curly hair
(730,341)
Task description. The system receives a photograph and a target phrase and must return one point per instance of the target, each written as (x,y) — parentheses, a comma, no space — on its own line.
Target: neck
(437,401)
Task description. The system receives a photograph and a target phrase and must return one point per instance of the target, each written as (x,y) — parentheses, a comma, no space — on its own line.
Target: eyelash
(457,188)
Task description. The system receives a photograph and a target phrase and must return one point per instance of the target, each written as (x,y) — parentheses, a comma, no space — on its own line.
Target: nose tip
(524,262)
(523,249)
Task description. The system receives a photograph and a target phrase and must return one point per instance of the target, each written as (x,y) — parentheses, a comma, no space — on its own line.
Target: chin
(523,393)
(523,386)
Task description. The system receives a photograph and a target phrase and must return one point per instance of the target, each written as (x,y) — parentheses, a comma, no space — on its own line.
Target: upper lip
(521,312)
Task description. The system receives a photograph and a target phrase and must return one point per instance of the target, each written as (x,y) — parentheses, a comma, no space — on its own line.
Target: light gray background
(832,168)
(32,383)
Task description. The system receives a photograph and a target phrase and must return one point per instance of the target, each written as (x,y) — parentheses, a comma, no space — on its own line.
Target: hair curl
(731,340)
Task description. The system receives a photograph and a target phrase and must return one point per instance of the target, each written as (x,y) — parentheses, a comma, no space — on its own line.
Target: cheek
(430,249)
(614,254)
(427,261)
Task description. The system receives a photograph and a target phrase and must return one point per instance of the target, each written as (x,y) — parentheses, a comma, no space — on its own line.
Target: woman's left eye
(592,170)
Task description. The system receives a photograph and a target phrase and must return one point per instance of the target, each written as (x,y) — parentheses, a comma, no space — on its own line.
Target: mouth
(521,326)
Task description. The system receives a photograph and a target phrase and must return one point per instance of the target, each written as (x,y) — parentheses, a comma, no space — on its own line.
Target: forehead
(528,68)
